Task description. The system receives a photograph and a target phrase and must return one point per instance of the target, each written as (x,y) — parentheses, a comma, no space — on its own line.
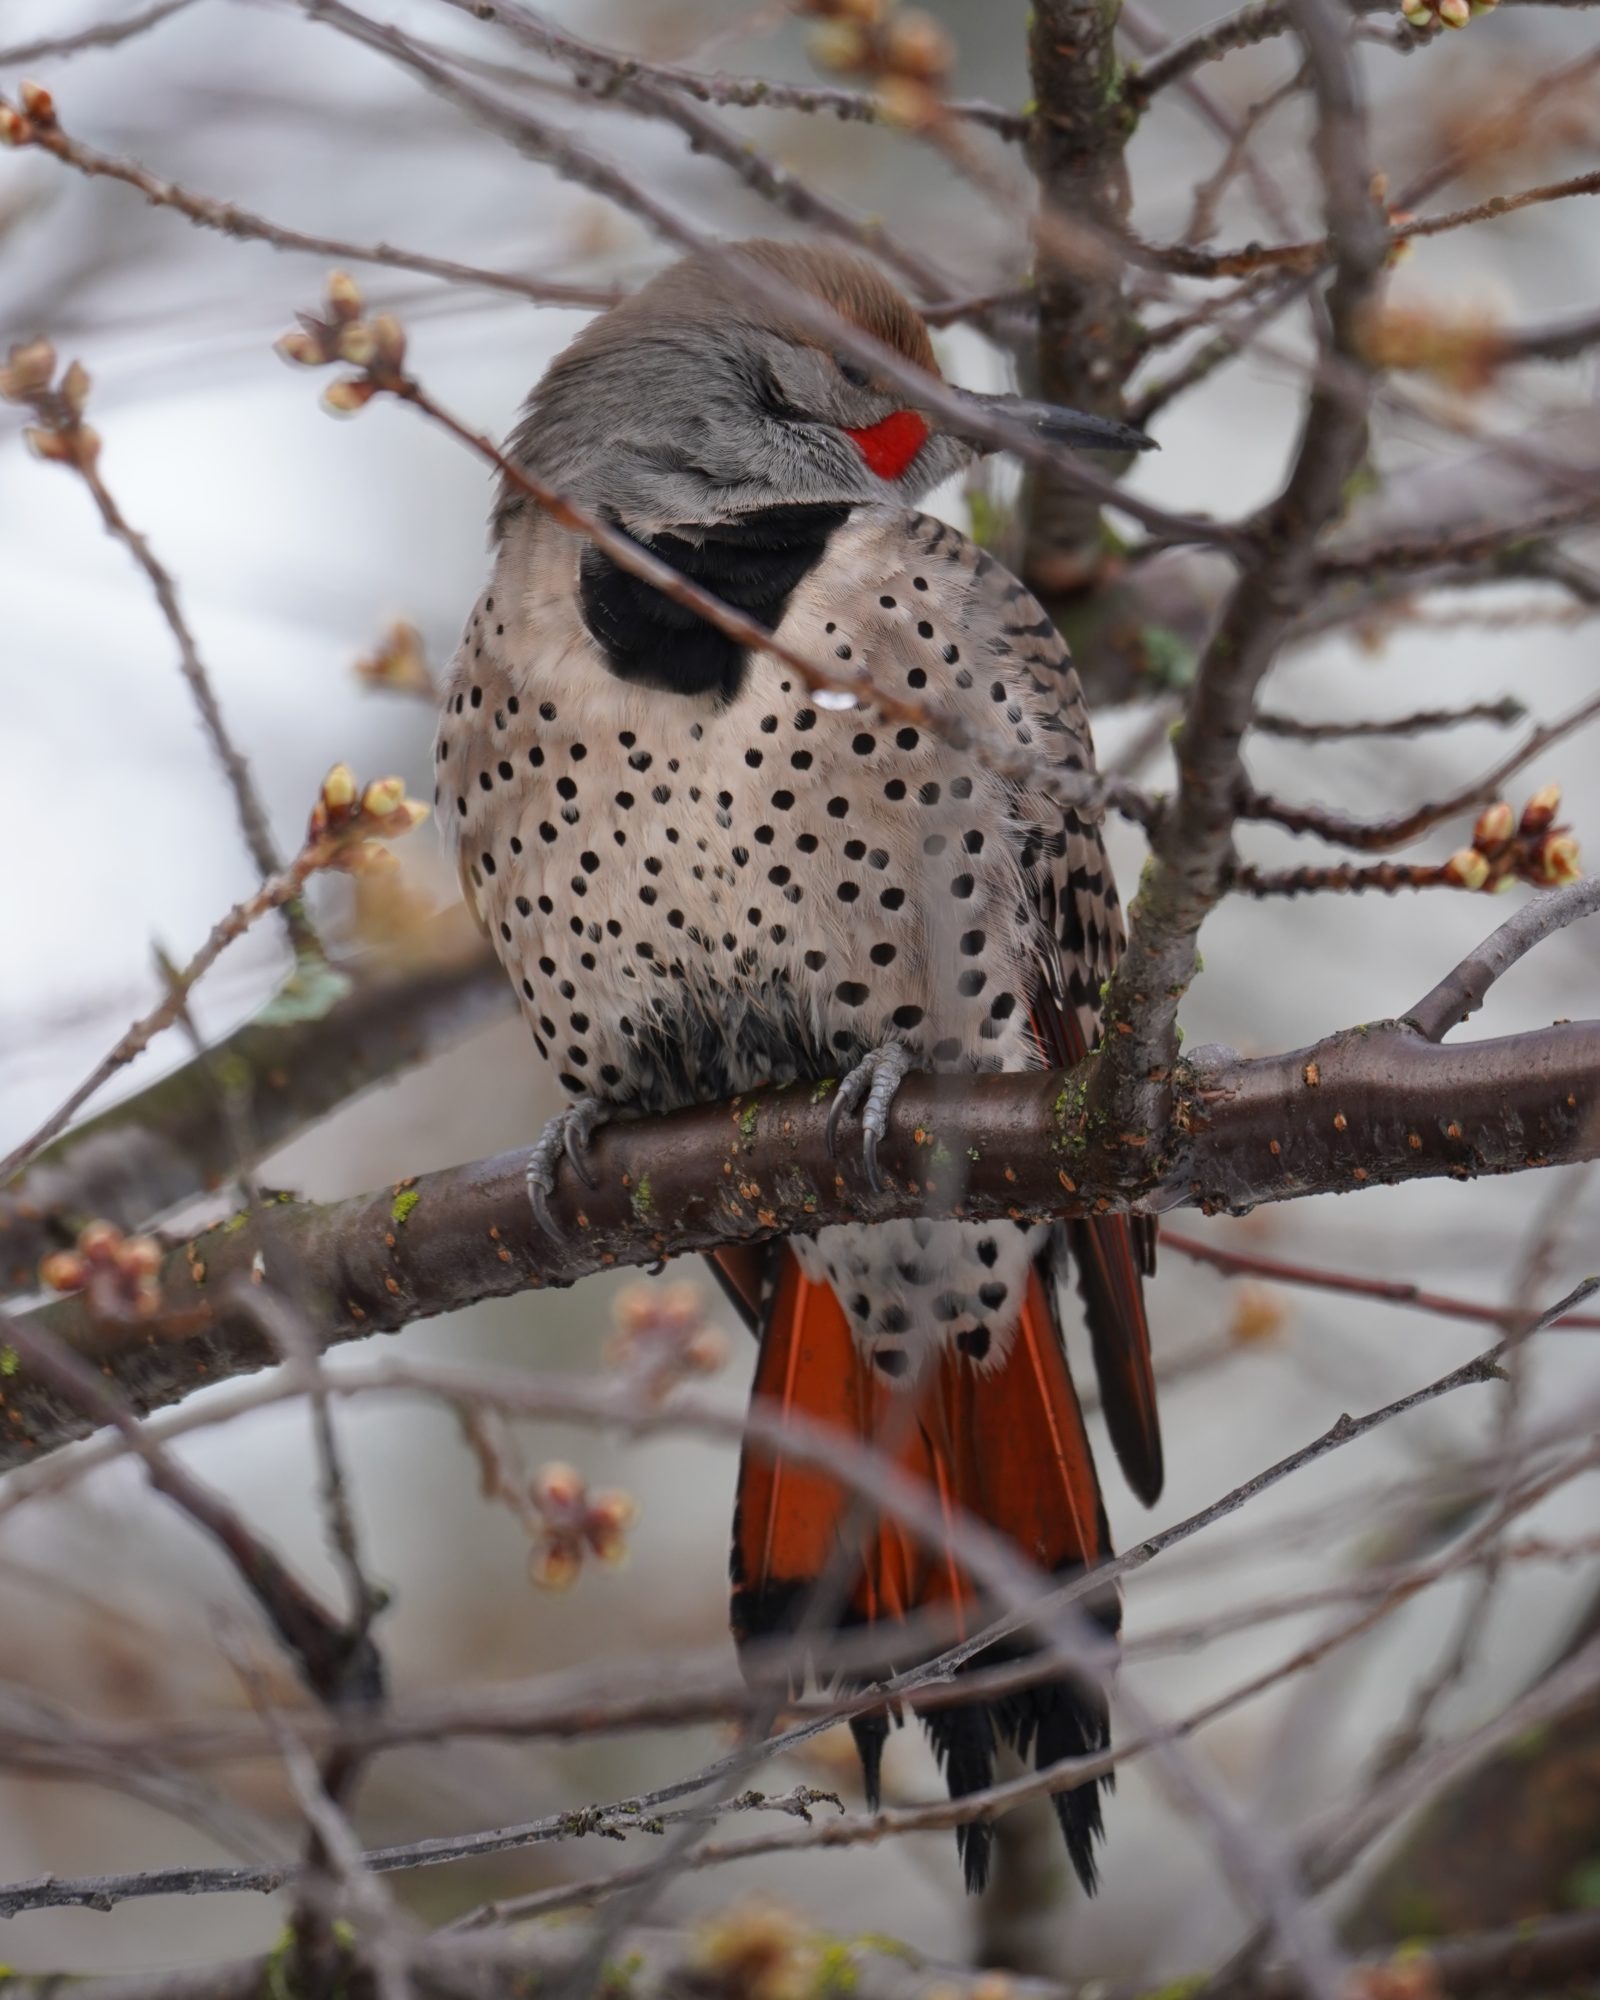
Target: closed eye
(771,398)
(857,376)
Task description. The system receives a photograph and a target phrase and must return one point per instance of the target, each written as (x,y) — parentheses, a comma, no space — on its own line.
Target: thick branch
(283,1070)
(1193,845)
(1088,336)
(1365,1108)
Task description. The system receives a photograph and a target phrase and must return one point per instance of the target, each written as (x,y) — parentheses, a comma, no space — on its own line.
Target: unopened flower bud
(1468,869)
(610,1546)
(62,1271)
(917,46)
(406,817)
(98,1239)
(389,339)
(554,1566)
(1494,828)
(1455,13)
(50,445)
(75,388)
(38,103)
(1541,809)
(1558,858)
(399,664)
(347,396)
(1419,15)
(344,296)
(558,1486)
(339,788)
(28,368)
(839,46)
(707,1351)
(303,347)
(140,1256)
(383,796)
(612,1511)
(906,101)
(355,343)
(14,128)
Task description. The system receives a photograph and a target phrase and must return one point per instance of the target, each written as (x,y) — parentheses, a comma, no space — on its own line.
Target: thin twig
(1505,711)
(634,85)
(1463,990)
(247,800)
(606,72)
(103,35)
(1372,836)
(330,1664)
(229,219)
(273,894)
(1389,1291)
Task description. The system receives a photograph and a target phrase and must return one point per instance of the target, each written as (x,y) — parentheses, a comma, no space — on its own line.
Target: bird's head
(711,392)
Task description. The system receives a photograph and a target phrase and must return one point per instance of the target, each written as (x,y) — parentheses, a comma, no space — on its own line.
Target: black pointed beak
(1069,427)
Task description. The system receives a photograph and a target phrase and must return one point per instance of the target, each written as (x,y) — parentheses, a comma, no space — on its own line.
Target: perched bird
(702,878)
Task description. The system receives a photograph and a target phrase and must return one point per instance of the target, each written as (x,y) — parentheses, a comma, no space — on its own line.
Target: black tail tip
(871,1732)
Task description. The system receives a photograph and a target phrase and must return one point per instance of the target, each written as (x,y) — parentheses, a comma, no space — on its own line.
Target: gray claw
(876,1078)
(566,1136)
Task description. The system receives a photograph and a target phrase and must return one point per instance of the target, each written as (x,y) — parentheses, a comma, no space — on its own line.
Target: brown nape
(855,289)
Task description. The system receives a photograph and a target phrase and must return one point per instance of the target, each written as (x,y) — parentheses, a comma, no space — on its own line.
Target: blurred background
(296,540)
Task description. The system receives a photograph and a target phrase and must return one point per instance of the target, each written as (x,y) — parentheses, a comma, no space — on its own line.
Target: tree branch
(1192,846)
(228,219)
(634,85)
(105,35)
(1462,992)
(283,1069)
(1391,1291)
(1365,1108)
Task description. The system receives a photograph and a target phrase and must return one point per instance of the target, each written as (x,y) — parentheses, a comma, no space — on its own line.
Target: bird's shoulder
(930,614)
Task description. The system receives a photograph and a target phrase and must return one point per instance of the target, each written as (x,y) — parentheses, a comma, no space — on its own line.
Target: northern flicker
(701,878)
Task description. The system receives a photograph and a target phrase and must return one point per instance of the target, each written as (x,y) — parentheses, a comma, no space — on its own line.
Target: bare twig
(325,847)
(1372,836)
(1340,878)
(1505,711)
(103,35)
(1391,1291)
(1258,22)
(606,72)
(636,86)
(228,219)
(1462,991)
(333,1664)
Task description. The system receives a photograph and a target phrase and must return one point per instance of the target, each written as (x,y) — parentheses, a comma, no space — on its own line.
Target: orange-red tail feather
(1002,1442)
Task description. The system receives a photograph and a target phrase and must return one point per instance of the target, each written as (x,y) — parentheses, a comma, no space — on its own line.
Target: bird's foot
(872,1084)
(567,1134)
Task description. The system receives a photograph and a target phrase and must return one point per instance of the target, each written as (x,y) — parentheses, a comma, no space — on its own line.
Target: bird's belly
(910,1288)
(692,899)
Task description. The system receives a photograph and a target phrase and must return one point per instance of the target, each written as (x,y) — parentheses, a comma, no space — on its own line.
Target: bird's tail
(999,1441)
